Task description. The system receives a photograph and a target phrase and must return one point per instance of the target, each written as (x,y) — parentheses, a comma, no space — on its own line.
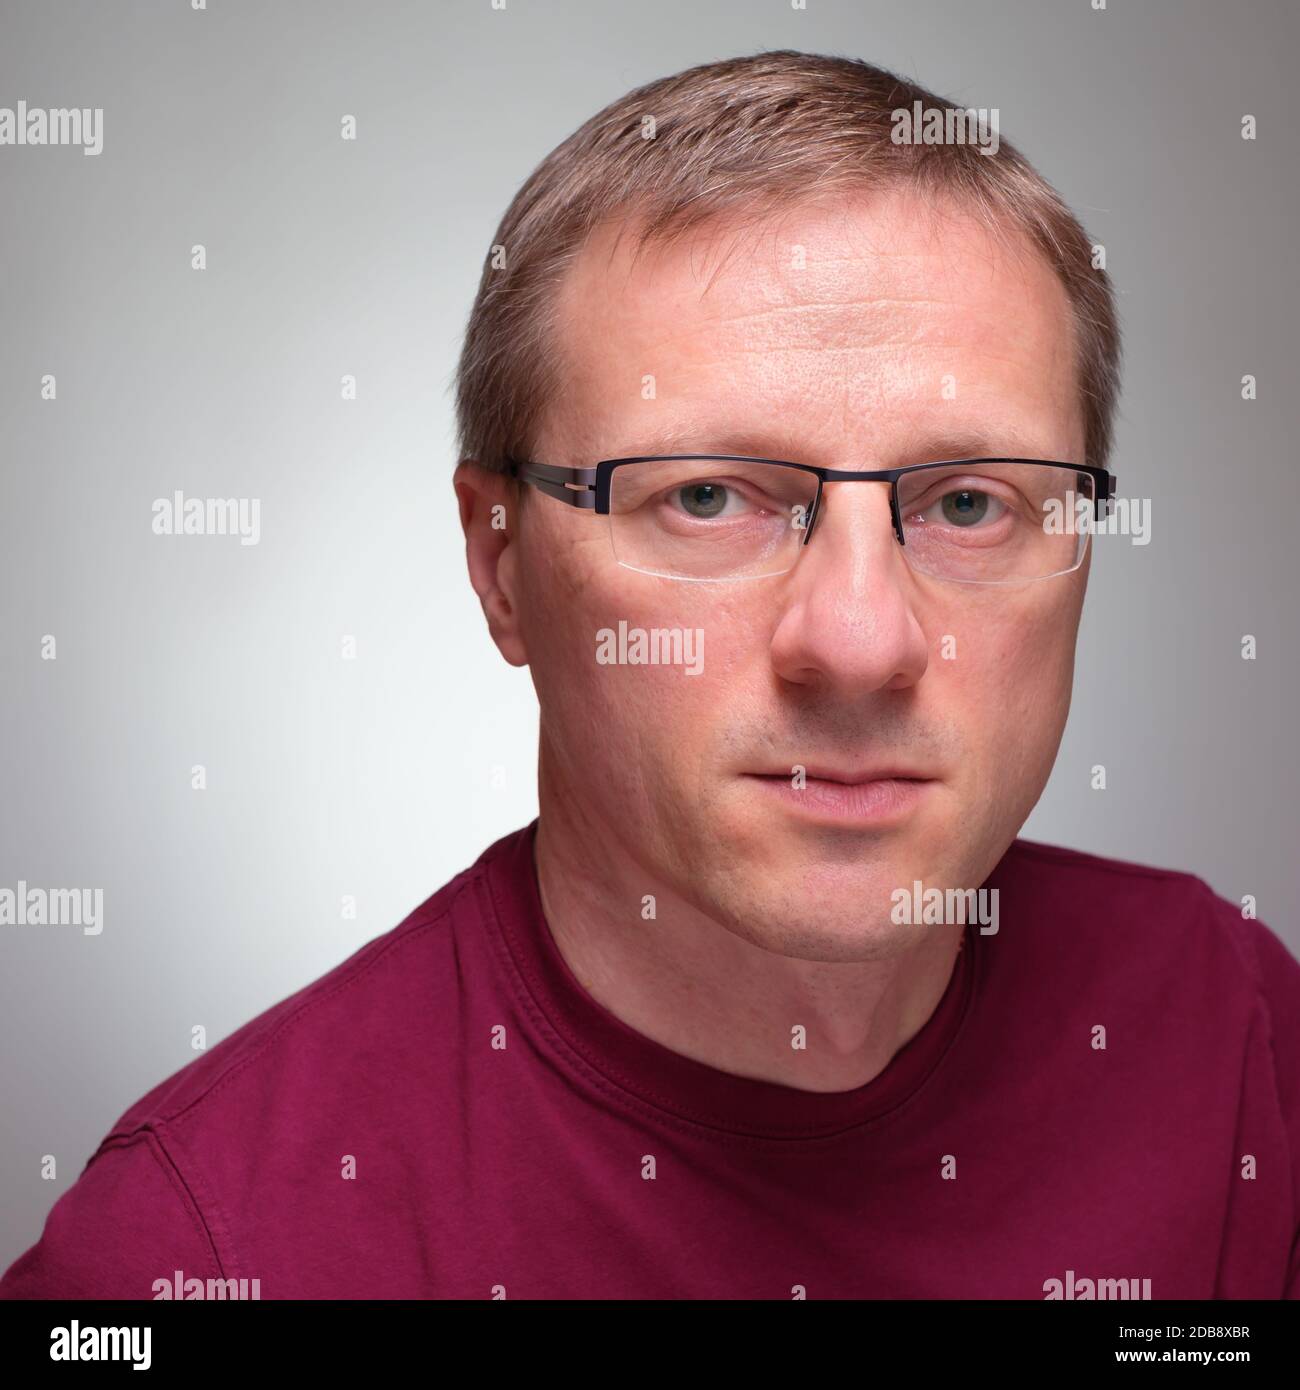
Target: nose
(849,622)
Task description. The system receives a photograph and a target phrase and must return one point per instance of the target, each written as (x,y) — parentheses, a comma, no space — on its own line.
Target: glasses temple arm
(576,486)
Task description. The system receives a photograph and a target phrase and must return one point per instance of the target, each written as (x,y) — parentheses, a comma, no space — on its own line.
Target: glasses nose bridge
(857,476)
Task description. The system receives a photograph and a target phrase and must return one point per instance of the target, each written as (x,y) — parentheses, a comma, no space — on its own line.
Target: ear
(489,504)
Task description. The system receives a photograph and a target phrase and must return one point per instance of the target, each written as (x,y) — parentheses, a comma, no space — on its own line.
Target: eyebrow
(1004,443)
(695,439)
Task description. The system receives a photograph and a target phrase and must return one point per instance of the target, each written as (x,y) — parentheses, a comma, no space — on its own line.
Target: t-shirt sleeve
(126,1222)
(1280,983)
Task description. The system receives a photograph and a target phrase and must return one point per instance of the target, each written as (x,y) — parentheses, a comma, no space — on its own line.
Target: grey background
(384,776)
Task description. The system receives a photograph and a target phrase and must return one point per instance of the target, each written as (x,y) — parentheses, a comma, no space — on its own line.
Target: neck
(696,988)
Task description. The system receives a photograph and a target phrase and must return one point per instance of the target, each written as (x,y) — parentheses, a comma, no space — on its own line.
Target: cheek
(632,674)
(1015,687)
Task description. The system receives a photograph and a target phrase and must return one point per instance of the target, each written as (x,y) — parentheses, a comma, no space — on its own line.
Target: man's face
(900,334)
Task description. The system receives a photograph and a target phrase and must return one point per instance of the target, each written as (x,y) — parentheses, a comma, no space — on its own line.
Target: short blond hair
(744,137)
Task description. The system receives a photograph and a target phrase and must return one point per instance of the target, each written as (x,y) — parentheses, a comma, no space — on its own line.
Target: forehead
(876,321)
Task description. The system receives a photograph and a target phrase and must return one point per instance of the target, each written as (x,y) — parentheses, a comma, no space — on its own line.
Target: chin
(809,908)
(797,887)
(838,933)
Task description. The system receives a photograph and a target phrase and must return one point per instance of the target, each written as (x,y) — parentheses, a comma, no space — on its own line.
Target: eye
(963,508)
(966,507)
(704,500)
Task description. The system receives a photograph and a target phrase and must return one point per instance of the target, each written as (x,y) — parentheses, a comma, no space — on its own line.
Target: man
(770,1002)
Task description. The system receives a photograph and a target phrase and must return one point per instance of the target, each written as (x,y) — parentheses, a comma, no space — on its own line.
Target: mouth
(869,799)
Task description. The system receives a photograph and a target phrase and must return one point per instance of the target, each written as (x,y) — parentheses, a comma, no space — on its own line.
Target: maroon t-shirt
(448,1114)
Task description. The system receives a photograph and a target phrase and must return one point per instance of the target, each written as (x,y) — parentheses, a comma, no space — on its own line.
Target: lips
(821,773)
(862,799)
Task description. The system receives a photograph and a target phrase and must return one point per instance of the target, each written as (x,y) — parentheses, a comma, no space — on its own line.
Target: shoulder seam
(242,1060)
(1221,910)
(239,1064)
(1081,859)
(154,1145)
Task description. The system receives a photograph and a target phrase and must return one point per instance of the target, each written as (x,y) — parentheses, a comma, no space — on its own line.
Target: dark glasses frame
(589,488)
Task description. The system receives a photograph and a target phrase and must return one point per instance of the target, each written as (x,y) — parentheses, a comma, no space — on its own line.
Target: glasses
(725,517)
